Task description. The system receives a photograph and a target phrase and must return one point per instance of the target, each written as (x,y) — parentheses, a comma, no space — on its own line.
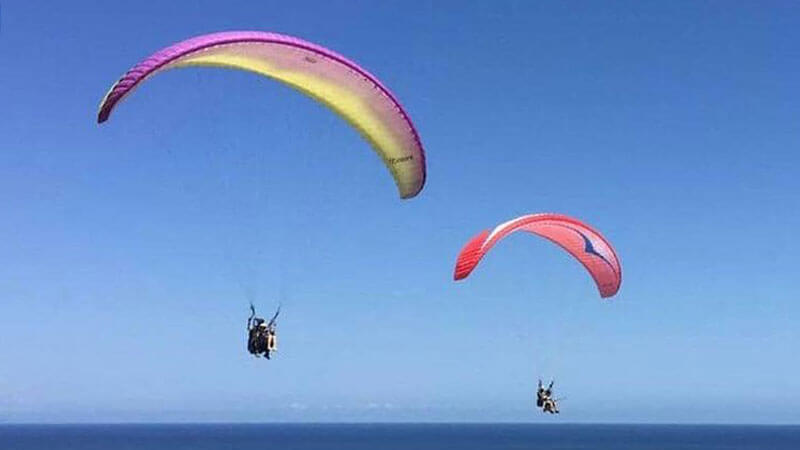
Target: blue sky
(130,251)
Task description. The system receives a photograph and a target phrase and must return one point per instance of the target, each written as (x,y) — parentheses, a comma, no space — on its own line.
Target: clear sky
(129,251)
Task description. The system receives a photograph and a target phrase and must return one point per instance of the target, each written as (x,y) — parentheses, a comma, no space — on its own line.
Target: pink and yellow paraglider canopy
(331,79)
(583,242)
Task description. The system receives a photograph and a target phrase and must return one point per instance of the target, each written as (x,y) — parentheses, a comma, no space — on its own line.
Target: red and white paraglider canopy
(583,242)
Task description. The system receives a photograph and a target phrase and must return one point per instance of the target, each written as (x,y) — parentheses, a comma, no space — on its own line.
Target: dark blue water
(391,437)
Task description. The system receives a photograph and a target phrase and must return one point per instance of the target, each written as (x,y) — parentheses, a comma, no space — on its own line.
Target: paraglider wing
(330,78)
(583,242)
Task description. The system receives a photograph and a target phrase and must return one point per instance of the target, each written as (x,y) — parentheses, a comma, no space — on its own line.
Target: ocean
(397,436)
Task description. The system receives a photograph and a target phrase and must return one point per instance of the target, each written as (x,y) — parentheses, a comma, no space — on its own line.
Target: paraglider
(322,74)
(331,79)
(580,240)
(583,242)
(545,400)
(262,336)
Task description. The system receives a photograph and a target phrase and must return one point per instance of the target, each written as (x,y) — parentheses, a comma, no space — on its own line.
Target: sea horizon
(396,436)
(413,423)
